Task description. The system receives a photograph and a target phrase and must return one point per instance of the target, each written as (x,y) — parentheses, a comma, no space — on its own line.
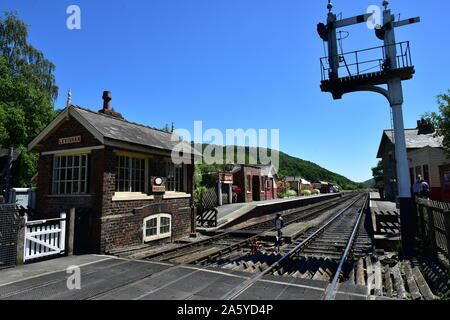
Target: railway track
(316,255)
(205,251)
(338,252)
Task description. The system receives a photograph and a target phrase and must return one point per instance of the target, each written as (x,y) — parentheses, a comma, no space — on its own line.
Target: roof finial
(385,4)
(69,98)
(329,6)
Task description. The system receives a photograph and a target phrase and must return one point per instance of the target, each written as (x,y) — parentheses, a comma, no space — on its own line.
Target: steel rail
(333,285)
(236,292)
(242,243)
(204,242)
(305,214)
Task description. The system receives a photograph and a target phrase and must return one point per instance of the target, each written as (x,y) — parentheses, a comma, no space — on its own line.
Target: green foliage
(198,195)
(378,175)
(398,248)
(283,194)
(315,192)
(288,166)
(27,91)
(208,174)
(441,120)
(291,193)
(306,192)
(286,193)
(291,166)
(23,59)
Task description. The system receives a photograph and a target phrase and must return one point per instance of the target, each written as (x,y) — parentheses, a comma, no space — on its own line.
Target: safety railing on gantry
(366,61)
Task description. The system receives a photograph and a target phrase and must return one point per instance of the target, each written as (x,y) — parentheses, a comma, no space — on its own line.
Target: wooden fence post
(21,232)
(422,221)
(62,235)
(431,232)
(70,230)
(447,231)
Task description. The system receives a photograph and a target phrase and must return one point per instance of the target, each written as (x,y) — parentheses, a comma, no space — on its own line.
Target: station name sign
(226,178)
(70,140)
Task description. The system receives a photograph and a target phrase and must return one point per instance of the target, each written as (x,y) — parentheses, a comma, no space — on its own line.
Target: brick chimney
(425,126)
(107,97)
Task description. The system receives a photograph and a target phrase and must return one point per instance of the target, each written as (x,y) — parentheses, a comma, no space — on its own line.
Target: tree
(27,94)
(23,59)
(378,174)
(441,120)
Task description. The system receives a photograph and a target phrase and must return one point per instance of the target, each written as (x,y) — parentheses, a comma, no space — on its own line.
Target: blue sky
(237,64)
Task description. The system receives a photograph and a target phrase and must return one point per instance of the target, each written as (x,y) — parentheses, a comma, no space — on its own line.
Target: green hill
(289,166)
(369,183)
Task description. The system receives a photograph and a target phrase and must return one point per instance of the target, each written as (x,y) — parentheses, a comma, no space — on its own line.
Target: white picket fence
(44,238)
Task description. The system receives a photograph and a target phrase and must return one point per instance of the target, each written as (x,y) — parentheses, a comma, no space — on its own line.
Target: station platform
(385,218)
(237,213)
(112,278)
(294,230)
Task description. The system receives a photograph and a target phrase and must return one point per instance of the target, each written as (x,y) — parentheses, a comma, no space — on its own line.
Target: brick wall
(102,224)
(122,221)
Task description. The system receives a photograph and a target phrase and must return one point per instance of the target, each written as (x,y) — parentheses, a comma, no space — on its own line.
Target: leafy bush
(306,192)
(315,191)
(198,195)
(282,194)
(287,193)
(291,193)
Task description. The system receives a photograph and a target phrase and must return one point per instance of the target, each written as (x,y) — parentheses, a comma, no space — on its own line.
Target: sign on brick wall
(70,140)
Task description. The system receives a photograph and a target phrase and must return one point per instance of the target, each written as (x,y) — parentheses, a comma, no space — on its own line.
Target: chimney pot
(107,97)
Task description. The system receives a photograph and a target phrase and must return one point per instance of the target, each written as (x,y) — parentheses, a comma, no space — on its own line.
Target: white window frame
(129,166)
(81,178)
(158,234)
(181,177)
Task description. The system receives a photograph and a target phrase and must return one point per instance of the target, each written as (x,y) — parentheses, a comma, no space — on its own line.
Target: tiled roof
(122,130)
(414,140)
(296,179)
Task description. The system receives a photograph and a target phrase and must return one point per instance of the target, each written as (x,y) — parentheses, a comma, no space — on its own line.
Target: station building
(297,183)
(120,176)
(426,159)
(257,183)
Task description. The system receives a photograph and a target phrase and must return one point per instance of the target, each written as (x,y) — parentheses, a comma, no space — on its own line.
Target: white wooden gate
(45,238)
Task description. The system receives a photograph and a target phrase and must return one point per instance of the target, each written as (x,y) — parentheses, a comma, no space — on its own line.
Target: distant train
(325,187)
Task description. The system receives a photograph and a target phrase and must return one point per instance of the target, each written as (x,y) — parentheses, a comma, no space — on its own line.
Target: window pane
(151,223)
(76,187)
(69,175)
(150,227)
(56,163)
(150,232)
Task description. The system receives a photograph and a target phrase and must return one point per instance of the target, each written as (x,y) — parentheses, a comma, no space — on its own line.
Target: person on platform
(279,224)
(416,187)
(424,189)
